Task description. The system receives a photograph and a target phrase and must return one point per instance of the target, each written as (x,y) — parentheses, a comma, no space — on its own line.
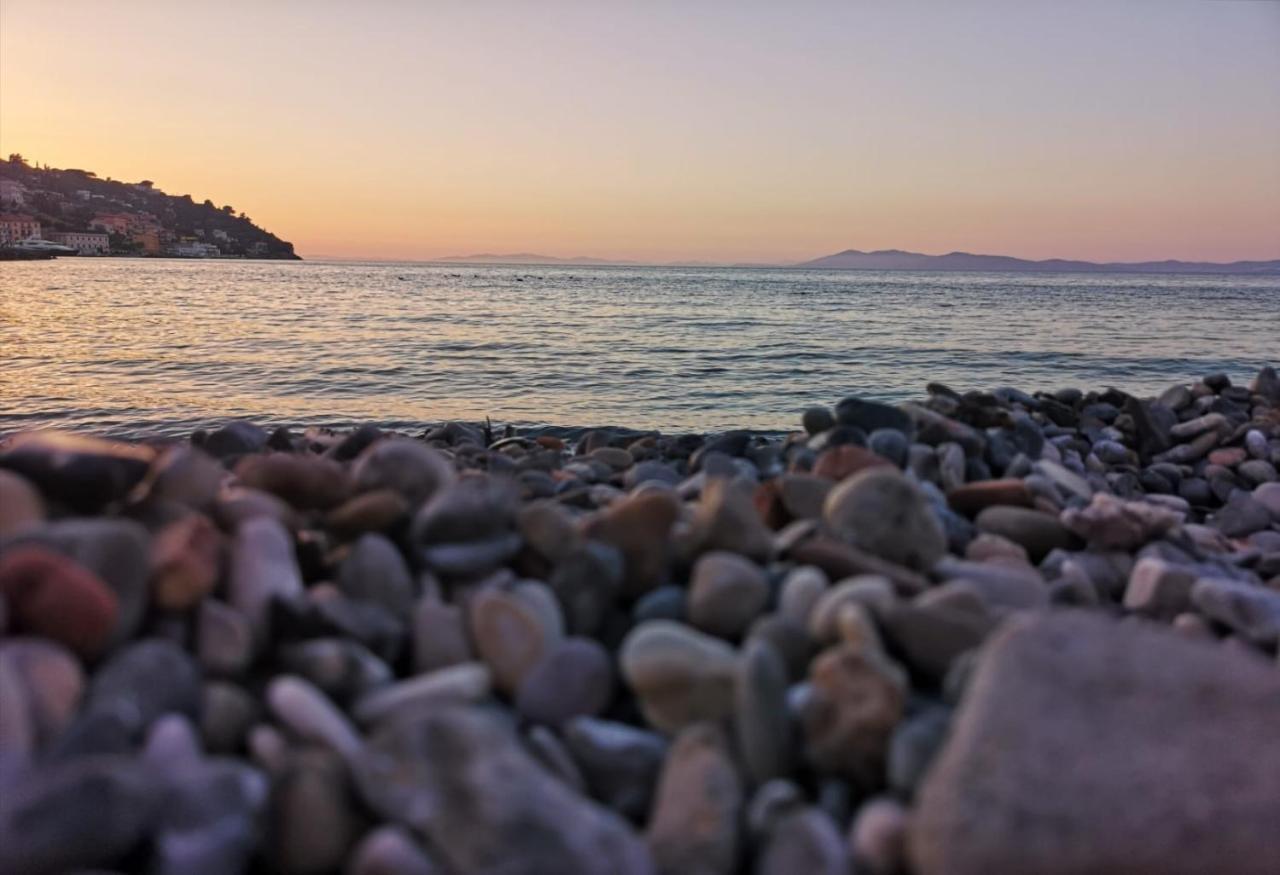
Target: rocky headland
(985,632)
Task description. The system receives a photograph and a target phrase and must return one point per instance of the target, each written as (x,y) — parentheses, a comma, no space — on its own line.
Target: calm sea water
(131,347)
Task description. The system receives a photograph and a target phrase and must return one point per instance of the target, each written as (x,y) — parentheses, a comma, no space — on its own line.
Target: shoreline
(947,635)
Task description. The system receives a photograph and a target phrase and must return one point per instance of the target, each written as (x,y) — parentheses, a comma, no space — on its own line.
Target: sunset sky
(674,131)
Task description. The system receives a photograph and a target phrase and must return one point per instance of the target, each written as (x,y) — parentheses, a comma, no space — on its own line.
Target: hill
(896,259)
(141,219)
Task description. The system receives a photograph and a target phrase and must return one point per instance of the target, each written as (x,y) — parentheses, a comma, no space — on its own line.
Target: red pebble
(841,461)
(51,596)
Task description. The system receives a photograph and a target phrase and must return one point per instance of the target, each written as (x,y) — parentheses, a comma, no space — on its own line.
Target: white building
(86,242)
(12,192)
(196,249)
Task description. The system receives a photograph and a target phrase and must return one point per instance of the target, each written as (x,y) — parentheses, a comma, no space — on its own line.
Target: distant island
(525,258)
(96,216)
(896,259)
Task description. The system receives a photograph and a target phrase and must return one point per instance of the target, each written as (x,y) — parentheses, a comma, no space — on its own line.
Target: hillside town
(45,210)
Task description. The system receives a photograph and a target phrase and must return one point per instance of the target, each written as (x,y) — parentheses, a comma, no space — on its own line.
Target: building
(12,192)
(148,239)
(196,249)
(113,223)
(87,242)
(18,226)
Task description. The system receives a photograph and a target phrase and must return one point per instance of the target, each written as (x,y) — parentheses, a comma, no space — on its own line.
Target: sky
(672,131)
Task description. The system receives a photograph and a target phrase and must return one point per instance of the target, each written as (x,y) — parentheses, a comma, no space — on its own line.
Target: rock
(681,676)
(804,841)
(340,668)
(548,528)
(637,526)
(21,506)
(1170,792)
(869,590)
(80,814)
(209,821)
(802,495)
(801,590)
(839,560)
(857,699)
(53,597)
(406,466)
(374,571)
(439,635)
(872,415)
(224,638)
(1242,516)
(390,850)
(931,635)
(614,457)
(1038,533)
(1195,427)
(1255,472)
(307,482)
(619,762)
(726,519)
(459,778)
(878,837)
(186,562)
(845,460)
(1111,523)
(313,824)
(263,570)
(726,593)
(891,444)
(761,723)
(374,511)
(816,420)
(1267,384)
(226,714)
(586,582)
(83,473)
(458,684)
(573,679)
(1158,588)
(913,747)
(882,511)
(49,682)
(144,680)
(1268,495)
(999,585)
(971,498)
(468,528)
(1251,611)
(235,439)
(510,635)
(309,715)
(987,547)
(694,827)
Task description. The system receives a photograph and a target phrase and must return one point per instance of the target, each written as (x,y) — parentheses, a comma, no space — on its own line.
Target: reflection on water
(128,346)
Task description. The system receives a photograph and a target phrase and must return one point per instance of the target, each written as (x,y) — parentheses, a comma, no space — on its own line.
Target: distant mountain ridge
(897,259)
(525,258)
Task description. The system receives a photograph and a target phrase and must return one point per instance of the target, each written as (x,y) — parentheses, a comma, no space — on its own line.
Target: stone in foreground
(1084,746)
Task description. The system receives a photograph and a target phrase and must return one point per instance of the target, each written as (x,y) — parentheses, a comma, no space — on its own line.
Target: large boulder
(1086,746)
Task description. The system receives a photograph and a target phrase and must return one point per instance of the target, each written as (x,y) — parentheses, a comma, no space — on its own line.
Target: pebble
(262,570)
(467,528)
(800,592)
(726,520)
(21,506)
(55,598)
(872,591)
(697,806)
(314,825)
(373,511)
(726,592)
(390,850)
(84,473)
(511,635)
(311,716)
(186,562)
(680,675)
(882,511)
(619,762)
(49,681)
(857,699)
(1158,588)
(1037,533)
(573,679)
(804,841)
(1112,523)
(408,467)
(878,836)
(304,481)
(638,528)
(374,571)
(761,721)
(1247,609)
(837,463)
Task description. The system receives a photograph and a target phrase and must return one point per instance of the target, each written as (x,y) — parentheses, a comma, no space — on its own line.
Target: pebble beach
(979,632)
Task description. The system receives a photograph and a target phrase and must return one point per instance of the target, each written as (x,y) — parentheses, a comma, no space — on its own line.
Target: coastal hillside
(110,217)
(896,259)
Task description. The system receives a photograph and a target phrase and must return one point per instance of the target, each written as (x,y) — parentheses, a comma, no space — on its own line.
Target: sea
(154,347)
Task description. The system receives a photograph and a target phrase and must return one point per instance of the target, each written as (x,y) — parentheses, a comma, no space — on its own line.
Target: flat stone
(574,679)
(466,683)
(1249,610)
(971,498)
(845,460)
(81,472)
(680,675)
(459,777)
(1169,792)
(311,716)
(510,635)
(374,511)
(694,827)
(49,595)
(305,481)
(1038,533)
(726,592)
(883,512)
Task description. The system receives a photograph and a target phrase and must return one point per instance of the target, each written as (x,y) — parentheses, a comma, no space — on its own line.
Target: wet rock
(83,473)
(619,762)
(857,699)
(459,778)
(186,562)
(885,513)
(1170,792)
(406,466)
(761,723)
(638,526)
(53,597)
(21,506)
(680,675)
(1038,533)
(694,827)
(573,679)
(726,593)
